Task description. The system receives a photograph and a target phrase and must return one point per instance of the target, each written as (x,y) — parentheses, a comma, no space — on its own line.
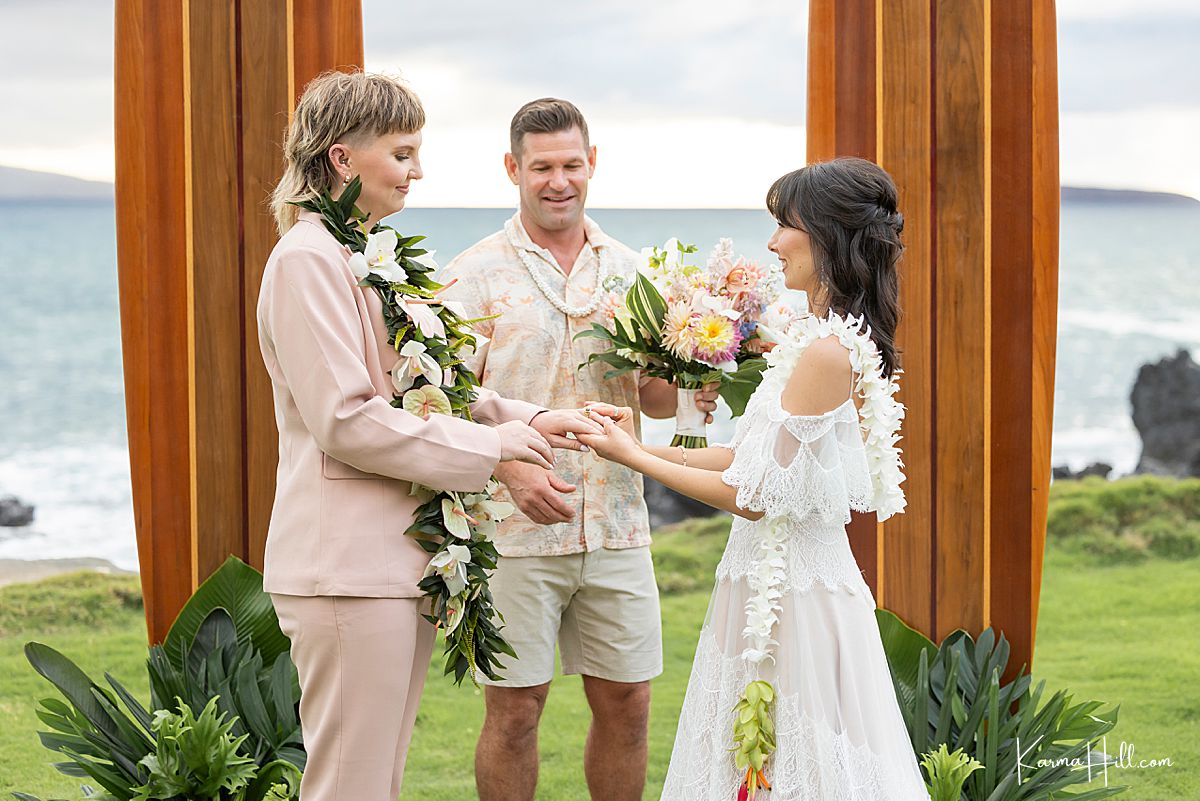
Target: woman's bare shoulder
(821,379)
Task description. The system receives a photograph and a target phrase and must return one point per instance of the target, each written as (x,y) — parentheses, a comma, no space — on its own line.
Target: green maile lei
(455,528)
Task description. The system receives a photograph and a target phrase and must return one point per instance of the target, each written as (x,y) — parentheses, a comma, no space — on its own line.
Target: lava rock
(15,513)
(1094,469)
(668,506)
(1166,412)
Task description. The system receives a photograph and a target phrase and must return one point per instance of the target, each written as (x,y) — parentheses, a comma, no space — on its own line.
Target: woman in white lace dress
(817,440)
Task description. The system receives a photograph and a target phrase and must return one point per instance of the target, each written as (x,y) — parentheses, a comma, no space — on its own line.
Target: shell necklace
(535,272)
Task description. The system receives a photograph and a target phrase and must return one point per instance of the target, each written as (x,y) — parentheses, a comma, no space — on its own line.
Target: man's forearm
(658,398)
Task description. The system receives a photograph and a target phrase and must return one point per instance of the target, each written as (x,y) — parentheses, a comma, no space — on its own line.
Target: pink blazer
(346,455)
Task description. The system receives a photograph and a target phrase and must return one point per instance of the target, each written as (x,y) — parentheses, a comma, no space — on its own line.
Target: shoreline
(25,571)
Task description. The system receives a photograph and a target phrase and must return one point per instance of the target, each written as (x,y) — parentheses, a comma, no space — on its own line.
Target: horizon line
(112,184)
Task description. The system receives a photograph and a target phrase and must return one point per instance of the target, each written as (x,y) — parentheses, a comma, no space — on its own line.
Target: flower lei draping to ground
(880,416)
(431,341)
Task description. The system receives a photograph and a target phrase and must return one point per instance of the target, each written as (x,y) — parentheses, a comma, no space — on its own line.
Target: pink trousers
(362,664)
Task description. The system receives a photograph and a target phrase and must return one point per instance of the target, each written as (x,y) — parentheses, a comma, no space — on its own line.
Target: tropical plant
(1030,747)
(195,757)
(260,700)
(226,643)
(947,772)
(225,651)
(101,740)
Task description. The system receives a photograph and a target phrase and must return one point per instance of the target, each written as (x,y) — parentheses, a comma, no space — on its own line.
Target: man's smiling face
(552,171)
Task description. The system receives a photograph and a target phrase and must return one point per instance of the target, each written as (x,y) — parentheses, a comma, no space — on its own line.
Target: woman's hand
(523,443)
(621,415)
(556,424)
(617,443)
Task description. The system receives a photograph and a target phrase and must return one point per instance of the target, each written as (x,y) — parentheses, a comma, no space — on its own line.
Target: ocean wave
(83,504)
(1184,331)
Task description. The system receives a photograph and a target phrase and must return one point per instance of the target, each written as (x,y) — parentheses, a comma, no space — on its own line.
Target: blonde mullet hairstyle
(336,107)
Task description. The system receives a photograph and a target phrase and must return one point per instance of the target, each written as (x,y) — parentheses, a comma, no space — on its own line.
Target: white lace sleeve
(803,466)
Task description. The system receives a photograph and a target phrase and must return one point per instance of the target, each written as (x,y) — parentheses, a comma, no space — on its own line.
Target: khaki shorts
(600,607)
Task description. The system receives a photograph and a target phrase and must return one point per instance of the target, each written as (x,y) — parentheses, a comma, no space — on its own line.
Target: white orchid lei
(431,340)
(880,415)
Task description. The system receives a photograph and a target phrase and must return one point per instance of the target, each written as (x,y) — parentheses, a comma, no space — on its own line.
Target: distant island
(1094,195)
(18,184)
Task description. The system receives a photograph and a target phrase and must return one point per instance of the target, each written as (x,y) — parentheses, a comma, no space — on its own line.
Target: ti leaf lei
(455,528)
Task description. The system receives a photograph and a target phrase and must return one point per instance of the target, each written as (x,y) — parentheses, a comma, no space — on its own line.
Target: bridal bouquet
(692,326)
(431,340)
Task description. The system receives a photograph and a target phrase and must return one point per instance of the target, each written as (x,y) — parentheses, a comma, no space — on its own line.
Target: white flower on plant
(780,315)
(451,565)
(425,260)
(379,257)
(703,301)
(455,517)
(487,513)
(425,318)
(720,261)
(415,362)
(455,607)
(645,256)
(359,266)
(640,359)
(673,259)
(426,401)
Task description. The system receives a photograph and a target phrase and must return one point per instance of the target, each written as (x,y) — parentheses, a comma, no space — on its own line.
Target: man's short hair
(546,115)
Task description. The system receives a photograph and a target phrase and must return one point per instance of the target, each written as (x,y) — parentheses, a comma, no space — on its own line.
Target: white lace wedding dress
(791,606)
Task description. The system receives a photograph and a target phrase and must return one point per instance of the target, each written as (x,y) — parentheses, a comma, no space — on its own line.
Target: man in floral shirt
(575,567)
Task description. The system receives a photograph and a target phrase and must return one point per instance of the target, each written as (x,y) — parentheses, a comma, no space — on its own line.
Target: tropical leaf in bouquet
(646,305)
(740,385)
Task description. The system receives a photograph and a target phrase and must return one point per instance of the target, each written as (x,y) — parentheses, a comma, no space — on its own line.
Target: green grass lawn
(94,619)
(1123,633)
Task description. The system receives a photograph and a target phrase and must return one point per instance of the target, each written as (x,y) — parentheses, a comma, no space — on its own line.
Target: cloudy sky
(690,103)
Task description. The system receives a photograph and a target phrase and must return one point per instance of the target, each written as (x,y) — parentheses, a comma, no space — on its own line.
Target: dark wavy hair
(847,207)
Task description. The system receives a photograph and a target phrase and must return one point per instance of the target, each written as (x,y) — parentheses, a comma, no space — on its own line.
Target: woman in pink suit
(341,571)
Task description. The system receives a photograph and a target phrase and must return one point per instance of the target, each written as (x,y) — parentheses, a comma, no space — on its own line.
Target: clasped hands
(535,488)
(532,443)
(527,463)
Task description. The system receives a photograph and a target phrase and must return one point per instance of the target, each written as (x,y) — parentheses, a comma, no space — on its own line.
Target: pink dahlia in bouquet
(691,325)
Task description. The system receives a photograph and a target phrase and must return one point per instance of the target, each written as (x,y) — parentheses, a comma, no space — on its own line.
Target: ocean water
(1129,294)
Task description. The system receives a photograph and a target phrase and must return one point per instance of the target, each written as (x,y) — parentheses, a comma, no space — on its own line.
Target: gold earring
(345,179)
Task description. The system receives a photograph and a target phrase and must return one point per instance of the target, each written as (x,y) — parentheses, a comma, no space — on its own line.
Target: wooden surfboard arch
(956,98)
